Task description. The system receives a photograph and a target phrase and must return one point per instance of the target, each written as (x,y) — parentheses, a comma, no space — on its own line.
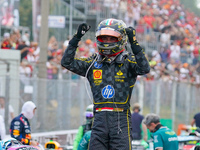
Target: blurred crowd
(177,57)
(30,53)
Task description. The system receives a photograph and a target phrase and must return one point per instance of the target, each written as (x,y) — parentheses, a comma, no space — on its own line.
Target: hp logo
(96,65)
(108,92)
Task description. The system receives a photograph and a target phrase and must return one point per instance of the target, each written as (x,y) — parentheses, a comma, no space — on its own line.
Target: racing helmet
(7,143)
(89,111)
(114,28)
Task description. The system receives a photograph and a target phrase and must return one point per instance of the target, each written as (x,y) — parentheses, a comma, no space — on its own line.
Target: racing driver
(112,73)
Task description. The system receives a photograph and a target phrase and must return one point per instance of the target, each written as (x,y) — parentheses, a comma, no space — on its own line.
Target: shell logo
(97,74)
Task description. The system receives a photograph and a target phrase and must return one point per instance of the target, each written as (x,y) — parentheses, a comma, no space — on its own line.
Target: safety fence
(93,12)
(61,103)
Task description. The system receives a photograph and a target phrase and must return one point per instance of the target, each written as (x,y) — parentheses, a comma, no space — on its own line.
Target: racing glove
(82,29)
(130,31)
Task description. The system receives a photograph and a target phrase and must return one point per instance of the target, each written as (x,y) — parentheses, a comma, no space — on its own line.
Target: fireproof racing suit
(20,129)
(111,83)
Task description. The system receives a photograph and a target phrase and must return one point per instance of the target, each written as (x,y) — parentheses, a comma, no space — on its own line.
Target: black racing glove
(82,29)
(130,31)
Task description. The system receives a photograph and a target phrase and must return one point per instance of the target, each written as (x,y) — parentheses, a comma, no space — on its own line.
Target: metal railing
(66,100)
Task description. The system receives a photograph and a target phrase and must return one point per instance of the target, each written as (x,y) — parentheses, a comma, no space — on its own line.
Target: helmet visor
(89,114)
(109,32)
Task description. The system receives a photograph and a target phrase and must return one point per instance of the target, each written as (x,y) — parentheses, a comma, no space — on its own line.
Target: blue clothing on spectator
(136,119)
(197,119)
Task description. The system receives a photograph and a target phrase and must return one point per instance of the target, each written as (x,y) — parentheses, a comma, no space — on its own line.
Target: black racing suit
(111,84)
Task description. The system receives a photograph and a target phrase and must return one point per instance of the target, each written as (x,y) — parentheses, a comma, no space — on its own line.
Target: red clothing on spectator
(149,20)
(5,45)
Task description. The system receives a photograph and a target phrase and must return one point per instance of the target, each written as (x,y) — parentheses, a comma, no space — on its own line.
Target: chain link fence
(61,103)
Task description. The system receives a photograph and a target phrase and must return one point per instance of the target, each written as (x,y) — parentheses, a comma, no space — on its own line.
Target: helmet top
(114,28)
(89,111)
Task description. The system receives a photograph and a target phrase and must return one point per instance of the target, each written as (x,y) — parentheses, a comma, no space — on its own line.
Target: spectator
(25,70)
(175,51)
(122,8)
(25,38)
(164,54)
(13,41)
(52,44)
(66,43)
(114,8)
(163,137)
(2,128)
(136,120)
(20,127)
(52,68)
(156,56)
(2,109)
(184,72)
(84,142)
(36,51)
(196,120)
(83,130)
(30,56)
(184,54)
(165,38)
(129,16)
(136,13)
(5,44)
(23,49)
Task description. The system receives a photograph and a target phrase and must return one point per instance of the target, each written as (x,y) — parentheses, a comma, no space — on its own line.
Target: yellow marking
(132,86)
(119,80)
(119,73)
(132,61)
(120,65)
(15,132)
(84,59)
(97,82)
(170,132)
(128,130)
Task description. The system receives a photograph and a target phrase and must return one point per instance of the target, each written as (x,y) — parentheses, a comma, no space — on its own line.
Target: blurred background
(34,35)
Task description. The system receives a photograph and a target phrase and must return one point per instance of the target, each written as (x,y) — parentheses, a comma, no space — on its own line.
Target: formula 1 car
(13,144)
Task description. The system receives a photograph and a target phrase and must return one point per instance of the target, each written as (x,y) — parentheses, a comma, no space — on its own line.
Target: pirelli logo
(97,74)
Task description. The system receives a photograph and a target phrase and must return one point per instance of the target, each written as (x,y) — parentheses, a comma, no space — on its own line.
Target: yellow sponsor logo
(119,80)
(119,77)
(97,74)
(97,82)
(119,73)
(15,132)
